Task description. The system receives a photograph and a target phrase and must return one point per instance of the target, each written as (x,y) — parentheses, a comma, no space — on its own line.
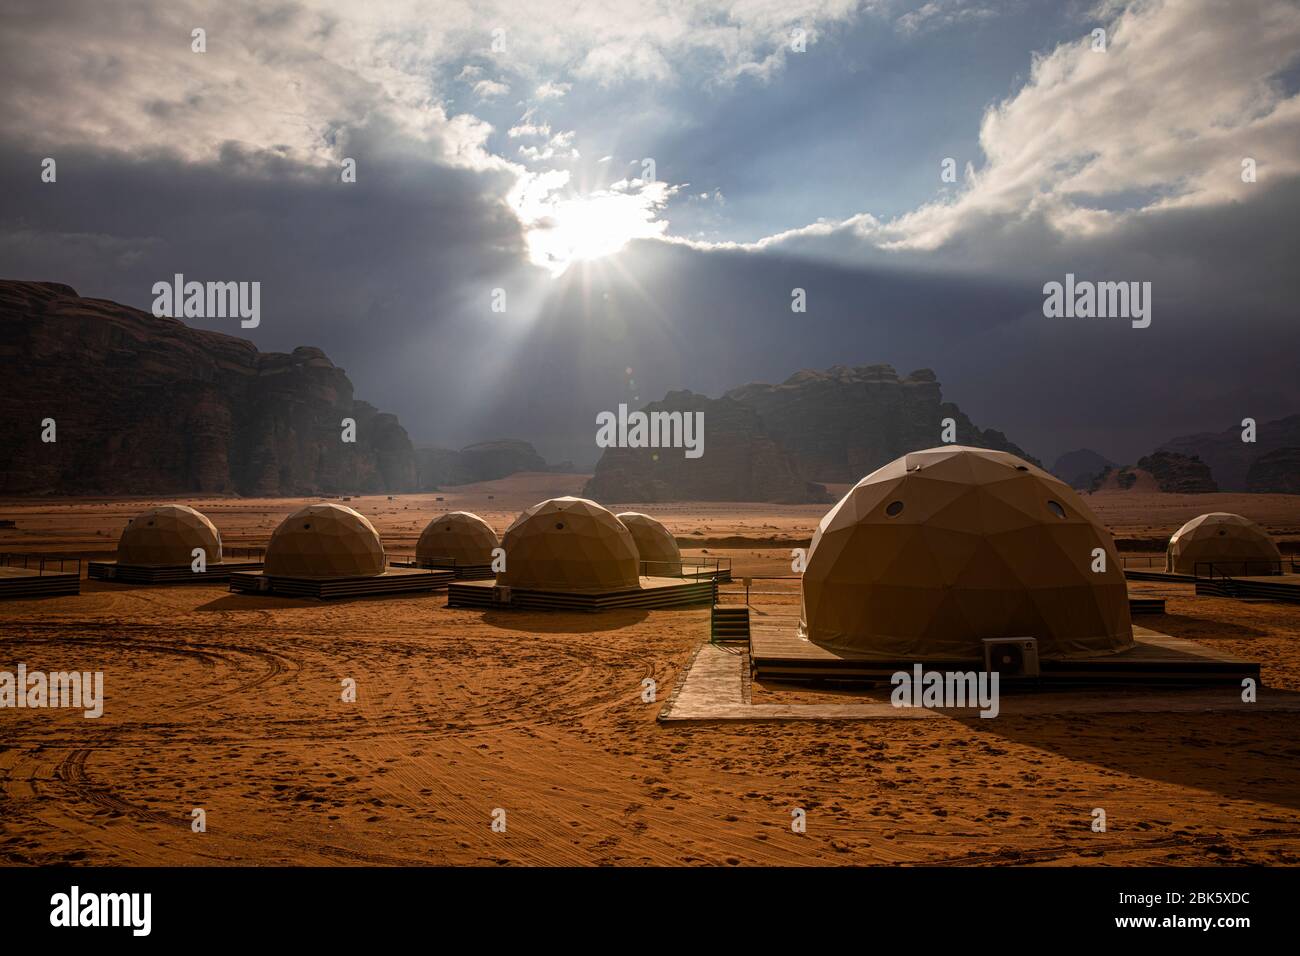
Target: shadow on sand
(563,622)
(255,602)
(1238,755)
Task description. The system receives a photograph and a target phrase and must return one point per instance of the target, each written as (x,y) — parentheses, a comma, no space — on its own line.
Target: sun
(565,229)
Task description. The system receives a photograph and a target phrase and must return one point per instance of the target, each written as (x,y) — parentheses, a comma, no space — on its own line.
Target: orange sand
(232,704)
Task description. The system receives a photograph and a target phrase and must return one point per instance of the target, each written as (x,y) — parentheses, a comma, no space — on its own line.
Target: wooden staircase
(729,624)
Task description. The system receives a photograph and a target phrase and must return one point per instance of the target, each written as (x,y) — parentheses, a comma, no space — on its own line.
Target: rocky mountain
(843,423)
(1078,468)
(741,461)
(1114,478)
(484,461)
(1229,457)
(773,442)
(1179,474)
(1159,472)
(1277,472)
(148,405)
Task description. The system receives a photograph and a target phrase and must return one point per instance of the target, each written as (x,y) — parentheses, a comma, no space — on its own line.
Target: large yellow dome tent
(940,549)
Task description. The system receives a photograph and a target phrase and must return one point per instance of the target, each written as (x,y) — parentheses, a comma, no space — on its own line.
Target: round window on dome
(894,509)
(1056,508)
(559,526)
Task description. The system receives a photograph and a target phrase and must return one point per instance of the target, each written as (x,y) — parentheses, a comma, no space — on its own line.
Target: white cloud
(490,89)
(559,146)
(1095,141)
(552,91)
(528,126)
(936,14)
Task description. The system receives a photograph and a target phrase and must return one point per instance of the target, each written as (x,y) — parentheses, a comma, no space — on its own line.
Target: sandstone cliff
(148,405)
(482,461)
(774,442)
(843,423)
(1159,472)
(741,462)
(1179,474)
(1229,457)
(1277,472)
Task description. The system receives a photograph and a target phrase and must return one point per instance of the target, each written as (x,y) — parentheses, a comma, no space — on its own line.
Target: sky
(644,185)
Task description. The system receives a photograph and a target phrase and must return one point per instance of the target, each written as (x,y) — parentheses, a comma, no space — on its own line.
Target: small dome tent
(167,537)
(569,544)
(1231,543)
(325,541)
(654,543)
(458,536)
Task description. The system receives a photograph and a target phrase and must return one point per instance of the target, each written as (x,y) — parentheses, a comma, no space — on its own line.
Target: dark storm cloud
(1221,346)
(392,276)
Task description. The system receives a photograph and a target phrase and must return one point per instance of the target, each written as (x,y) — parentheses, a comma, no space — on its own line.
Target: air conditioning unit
(1011,656)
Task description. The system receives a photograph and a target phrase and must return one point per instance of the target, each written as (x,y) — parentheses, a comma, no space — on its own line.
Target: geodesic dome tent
(939,549)
(1233,544)
(167,537)
(654,542)
(324,541)
(458,536)
(569,544)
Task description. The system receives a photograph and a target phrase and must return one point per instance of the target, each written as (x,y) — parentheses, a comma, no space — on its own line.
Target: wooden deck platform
(1155,574)
(1144,603)
(462,572)
(170,574)
(714,688)
(16,583)
(777,652)
(1264,587)
(1269,587)
(652,593)
(392,581)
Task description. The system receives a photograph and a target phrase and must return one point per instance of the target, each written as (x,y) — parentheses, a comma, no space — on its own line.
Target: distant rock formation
(843,423)
(1078,468)
(1229,457)
(773,442)
(1277,472)
(148,405)
(1179,474)
(741,462)
(1114,478)
(483,461)
(1162,471)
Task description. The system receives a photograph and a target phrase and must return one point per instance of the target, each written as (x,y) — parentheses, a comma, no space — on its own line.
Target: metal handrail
(1222,568)
(684,567)
(242,552)
(1147,559)
(42,560)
